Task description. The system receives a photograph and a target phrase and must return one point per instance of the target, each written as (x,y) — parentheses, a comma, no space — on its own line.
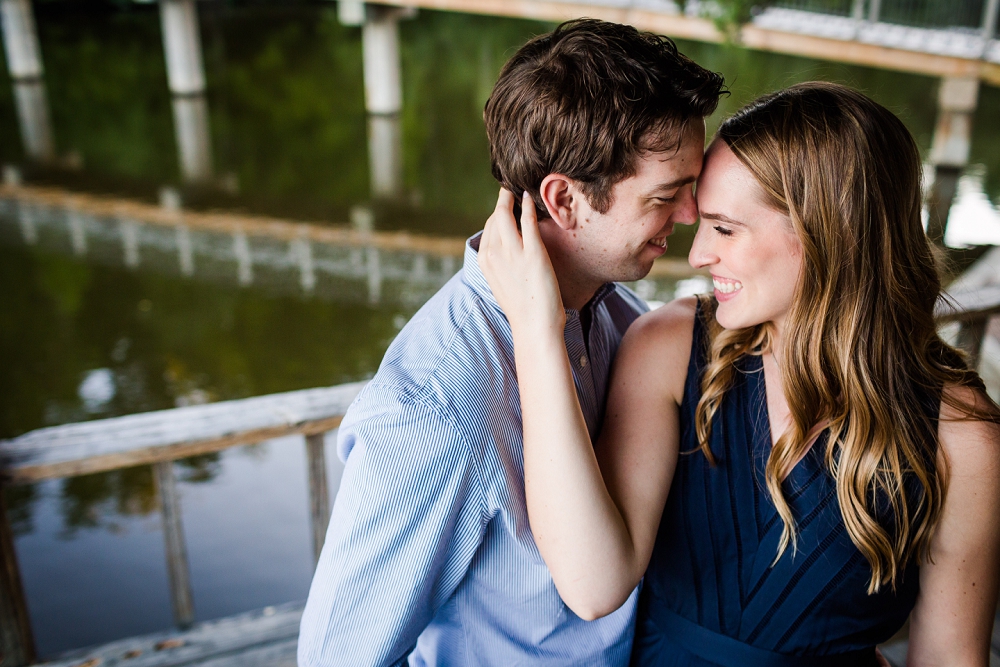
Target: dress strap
(726,651)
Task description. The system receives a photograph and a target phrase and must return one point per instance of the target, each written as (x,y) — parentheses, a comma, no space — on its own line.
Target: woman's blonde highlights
(860,354)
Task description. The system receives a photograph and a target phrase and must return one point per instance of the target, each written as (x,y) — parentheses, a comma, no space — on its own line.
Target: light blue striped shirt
(429,558)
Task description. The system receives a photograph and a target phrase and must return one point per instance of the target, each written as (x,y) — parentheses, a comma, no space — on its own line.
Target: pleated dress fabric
(714,596)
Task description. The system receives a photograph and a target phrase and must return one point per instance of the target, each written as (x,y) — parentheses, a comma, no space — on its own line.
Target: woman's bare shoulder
(670,325)
(971,446)
(658,345)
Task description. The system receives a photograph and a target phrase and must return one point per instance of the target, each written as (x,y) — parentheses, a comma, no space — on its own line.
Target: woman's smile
(725,288)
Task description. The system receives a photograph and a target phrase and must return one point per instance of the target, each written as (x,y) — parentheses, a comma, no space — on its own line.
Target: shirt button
(583,360)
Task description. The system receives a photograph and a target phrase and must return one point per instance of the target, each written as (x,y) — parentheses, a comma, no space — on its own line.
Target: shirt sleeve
(408,518)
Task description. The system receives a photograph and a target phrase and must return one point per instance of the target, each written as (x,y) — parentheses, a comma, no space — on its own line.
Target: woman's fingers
(490,239)
(505,202)
(504,223)
(529,223)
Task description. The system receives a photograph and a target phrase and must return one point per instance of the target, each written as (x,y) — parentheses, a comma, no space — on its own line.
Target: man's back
(429,550)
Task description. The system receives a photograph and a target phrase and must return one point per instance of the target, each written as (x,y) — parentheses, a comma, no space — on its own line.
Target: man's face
(623,243)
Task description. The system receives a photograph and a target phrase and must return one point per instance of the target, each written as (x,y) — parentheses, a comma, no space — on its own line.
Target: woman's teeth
(727,286)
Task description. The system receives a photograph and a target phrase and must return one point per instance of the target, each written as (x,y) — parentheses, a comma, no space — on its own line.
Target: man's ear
(557,191)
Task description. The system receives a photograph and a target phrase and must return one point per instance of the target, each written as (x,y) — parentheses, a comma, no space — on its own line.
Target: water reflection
(110,312)
(33,115)
(322,260)
(973,219)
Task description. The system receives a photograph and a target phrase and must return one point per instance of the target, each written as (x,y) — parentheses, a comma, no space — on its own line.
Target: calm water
(96,334)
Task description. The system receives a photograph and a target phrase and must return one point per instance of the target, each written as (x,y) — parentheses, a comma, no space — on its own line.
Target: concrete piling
(186,77)
(24,63)
(957,100)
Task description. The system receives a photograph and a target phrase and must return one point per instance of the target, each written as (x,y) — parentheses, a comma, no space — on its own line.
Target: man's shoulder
(624,306)
(440,363)
(453,337)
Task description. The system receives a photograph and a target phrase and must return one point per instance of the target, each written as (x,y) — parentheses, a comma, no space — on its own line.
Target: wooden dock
(264,638)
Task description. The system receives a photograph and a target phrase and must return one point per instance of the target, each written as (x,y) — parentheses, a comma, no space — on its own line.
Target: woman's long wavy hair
(860,353)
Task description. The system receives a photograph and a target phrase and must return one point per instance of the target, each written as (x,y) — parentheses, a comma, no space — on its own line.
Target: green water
(288,130)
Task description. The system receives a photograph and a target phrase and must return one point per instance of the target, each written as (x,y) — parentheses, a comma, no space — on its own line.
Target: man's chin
(633,272)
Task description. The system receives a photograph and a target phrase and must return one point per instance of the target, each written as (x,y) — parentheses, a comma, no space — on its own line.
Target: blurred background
(175,175)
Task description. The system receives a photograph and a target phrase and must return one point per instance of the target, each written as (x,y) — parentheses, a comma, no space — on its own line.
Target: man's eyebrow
(673,184)
(721,218)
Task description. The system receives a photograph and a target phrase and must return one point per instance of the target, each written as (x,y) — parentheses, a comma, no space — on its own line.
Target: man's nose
(686,212)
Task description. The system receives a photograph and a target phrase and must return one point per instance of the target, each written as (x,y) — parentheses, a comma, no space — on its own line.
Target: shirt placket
(583,378)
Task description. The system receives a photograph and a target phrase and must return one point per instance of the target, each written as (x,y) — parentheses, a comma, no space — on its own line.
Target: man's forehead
(670,170)
(675,183)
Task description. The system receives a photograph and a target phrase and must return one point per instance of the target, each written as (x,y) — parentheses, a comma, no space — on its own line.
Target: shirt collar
(475,278)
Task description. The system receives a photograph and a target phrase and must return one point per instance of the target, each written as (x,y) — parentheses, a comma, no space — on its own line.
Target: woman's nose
(702,254)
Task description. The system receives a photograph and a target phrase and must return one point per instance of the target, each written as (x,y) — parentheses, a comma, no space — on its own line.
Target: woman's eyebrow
(721,218)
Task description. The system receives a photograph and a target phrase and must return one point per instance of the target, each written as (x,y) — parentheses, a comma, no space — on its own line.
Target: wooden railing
(160,438)
(972,299)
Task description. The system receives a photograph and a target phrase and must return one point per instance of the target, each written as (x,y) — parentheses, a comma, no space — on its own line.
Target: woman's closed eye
(725,231)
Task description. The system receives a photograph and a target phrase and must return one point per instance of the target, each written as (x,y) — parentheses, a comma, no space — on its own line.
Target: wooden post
(989,27)
(17,646)
(351,12)
(182,47)
(319,493)
(77,231)
(129,230)
(419,268)
(186,77)
(374,267)
(194,145)
(33,118)
(940,196)
(957,100)
(26,220)
(301,250)
(858,10)
(173,537)
(874,10)
(244,261)
(970,339)
(383,101)
(24,63)
(185,251)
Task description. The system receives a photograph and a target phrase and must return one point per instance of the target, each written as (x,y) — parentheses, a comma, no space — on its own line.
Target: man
(429,558)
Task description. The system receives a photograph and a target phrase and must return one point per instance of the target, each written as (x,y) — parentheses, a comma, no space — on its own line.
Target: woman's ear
(557,192)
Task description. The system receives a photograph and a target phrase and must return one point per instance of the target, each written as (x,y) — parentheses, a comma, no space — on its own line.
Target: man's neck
(576,286)
(574,294)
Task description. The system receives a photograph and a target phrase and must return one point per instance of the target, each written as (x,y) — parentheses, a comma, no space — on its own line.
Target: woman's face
(750,249)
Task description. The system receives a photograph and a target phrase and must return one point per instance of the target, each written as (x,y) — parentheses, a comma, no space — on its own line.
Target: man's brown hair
(586,101)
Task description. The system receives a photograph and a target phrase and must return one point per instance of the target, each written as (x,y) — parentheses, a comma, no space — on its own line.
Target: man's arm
(408,518)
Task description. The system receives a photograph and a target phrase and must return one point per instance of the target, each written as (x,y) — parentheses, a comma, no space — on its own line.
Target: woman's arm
(953,619)
(596,538)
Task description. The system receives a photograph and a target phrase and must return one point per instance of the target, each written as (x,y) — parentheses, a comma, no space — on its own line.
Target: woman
(797,463)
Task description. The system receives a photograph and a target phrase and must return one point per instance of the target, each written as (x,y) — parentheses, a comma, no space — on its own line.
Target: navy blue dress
(711,597)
